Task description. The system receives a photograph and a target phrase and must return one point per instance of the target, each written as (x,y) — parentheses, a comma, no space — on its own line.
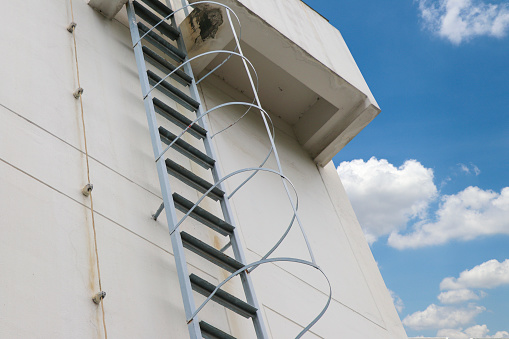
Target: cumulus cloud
(438,317)
(451,320)
(461,20)
(384,197)
(466,215)
(500,334)
(477,331)
(458,296)
(489,274)
(452,334)
(390,200)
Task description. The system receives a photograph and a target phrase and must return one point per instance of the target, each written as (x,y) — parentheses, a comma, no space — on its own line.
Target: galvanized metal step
(159,7)
(202,215)
(166,67)
(210,332)
(223,298)
(163,27)
(173,92)
(164,46)
(179,119)
(193,180)
(210,253)
(186,149)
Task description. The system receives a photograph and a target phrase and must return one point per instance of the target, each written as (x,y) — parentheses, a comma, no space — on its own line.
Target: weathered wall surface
(50,243)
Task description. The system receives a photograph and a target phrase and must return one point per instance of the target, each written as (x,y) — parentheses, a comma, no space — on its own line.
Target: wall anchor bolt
(99,297)
(87,189)
(77,93)
(71,27)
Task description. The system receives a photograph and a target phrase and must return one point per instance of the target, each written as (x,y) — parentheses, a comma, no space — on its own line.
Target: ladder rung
(153,20)
(159,7)
(210,253)
(166,67)
(179,119)
(193,180)
(202,215)
(163,45)
(186,149)
(173,92)
(210,332)
(221,297)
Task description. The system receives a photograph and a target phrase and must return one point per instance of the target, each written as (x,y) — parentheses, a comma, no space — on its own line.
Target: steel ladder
(157,46)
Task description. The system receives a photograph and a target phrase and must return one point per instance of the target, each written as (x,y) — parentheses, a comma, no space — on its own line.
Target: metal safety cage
(156,40)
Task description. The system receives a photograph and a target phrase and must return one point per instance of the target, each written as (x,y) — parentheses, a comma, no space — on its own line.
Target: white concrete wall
(48,261)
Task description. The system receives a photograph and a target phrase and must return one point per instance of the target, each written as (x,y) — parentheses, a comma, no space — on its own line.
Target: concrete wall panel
(38,69)
(44,156)
(143,293)
(47,262)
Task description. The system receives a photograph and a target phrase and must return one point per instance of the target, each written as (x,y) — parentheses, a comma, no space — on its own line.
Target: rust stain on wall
(205,20)
(92,274)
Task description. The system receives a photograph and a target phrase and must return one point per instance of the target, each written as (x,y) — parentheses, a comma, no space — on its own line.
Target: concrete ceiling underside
(324,110)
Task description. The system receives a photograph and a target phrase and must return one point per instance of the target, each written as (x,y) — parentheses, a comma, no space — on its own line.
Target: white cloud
(464,168)
(501,334)
(387,199)
(452,334)
(477,331)
(489,274)
(435,317)
(460,20)
(450,320)
(458,296)
(476,169)
(396,300)
(472,169)
(384,197)
(466,215)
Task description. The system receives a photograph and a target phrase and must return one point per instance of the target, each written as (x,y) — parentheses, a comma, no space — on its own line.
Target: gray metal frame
(168,202)
(247,283)
(166,191)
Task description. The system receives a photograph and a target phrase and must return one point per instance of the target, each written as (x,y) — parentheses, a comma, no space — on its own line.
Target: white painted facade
(55,254)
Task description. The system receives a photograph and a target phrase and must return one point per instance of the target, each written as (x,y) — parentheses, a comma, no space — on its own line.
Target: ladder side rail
(166,191)
(247,283)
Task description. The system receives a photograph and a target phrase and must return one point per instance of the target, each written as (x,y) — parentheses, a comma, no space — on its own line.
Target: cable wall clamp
(77,93)
(99,297)
(87,189)
(71,27)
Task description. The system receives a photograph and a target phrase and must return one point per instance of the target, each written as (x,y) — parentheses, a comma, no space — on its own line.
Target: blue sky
(427,176)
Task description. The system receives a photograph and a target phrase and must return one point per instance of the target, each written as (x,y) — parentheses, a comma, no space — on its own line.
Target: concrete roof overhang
(308,77)
(108,8)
